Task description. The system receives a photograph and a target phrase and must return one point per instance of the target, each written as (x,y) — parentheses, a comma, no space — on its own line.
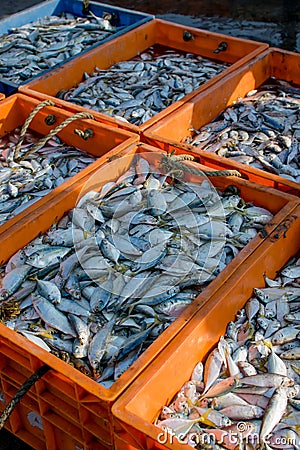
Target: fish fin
(267,343)
(157,320)
(203,418)
(33,277)
(295,369)
(46,334)
(296,428)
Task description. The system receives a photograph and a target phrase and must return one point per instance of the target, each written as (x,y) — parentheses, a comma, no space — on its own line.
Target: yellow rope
(27,123)
(170,162)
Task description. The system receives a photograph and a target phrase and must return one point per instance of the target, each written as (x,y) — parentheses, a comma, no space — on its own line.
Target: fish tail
(204,418)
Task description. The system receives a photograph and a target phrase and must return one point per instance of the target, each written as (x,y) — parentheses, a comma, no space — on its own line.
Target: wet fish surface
(25,181)
(261,130)
(246,393)
(137,89)
(30,49)
(127,260)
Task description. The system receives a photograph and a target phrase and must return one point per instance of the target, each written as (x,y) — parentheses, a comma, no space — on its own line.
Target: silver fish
(24,182)
(128,267)
(274,412)
(137,89)
(267,384)
(49,290)
(259,130)
(50,315)
(31,48)
(13,280)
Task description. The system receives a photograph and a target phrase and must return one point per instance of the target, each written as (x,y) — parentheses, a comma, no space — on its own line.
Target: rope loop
(86,134)
(54,131)
(27,123)
(173,164)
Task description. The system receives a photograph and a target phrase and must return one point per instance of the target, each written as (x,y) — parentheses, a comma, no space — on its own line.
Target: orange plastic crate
(74,409)
(15,109)
(134,42)
(136,410)
(215,162)
(207,105)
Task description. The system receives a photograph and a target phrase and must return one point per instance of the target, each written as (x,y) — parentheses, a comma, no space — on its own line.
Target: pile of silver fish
(137,89)
(106,280)
(261,130)
(24,182)
(30,49)
(246,394)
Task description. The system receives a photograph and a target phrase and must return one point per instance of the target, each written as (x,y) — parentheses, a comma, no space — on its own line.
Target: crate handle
(27,123)
(86,134)
(187,36)
(173,164)
(282,228)
(21,392)
(54,131)
(221,47)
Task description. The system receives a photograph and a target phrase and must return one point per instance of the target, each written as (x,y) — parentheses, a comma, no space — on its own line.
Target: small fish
(243,412)
(228,399)
(36,340)
(291,271)
(246,368)
(294,353)
(212,417)
(275,410)
(293,317)
(178,426)
(53,317)
(212,368)
(136,102)
(240,126)
(285,334)
(222,387)
(268,380)
(98,344)
(109,251)
(44,258)
(66,35)
(13,280)
(276,365)
(286,437)
(197,374)
(49,290)
(133,342)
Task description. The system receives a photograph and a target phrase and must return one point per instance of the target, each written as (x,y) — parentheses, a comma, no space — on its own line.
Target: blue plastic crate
(122,19)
